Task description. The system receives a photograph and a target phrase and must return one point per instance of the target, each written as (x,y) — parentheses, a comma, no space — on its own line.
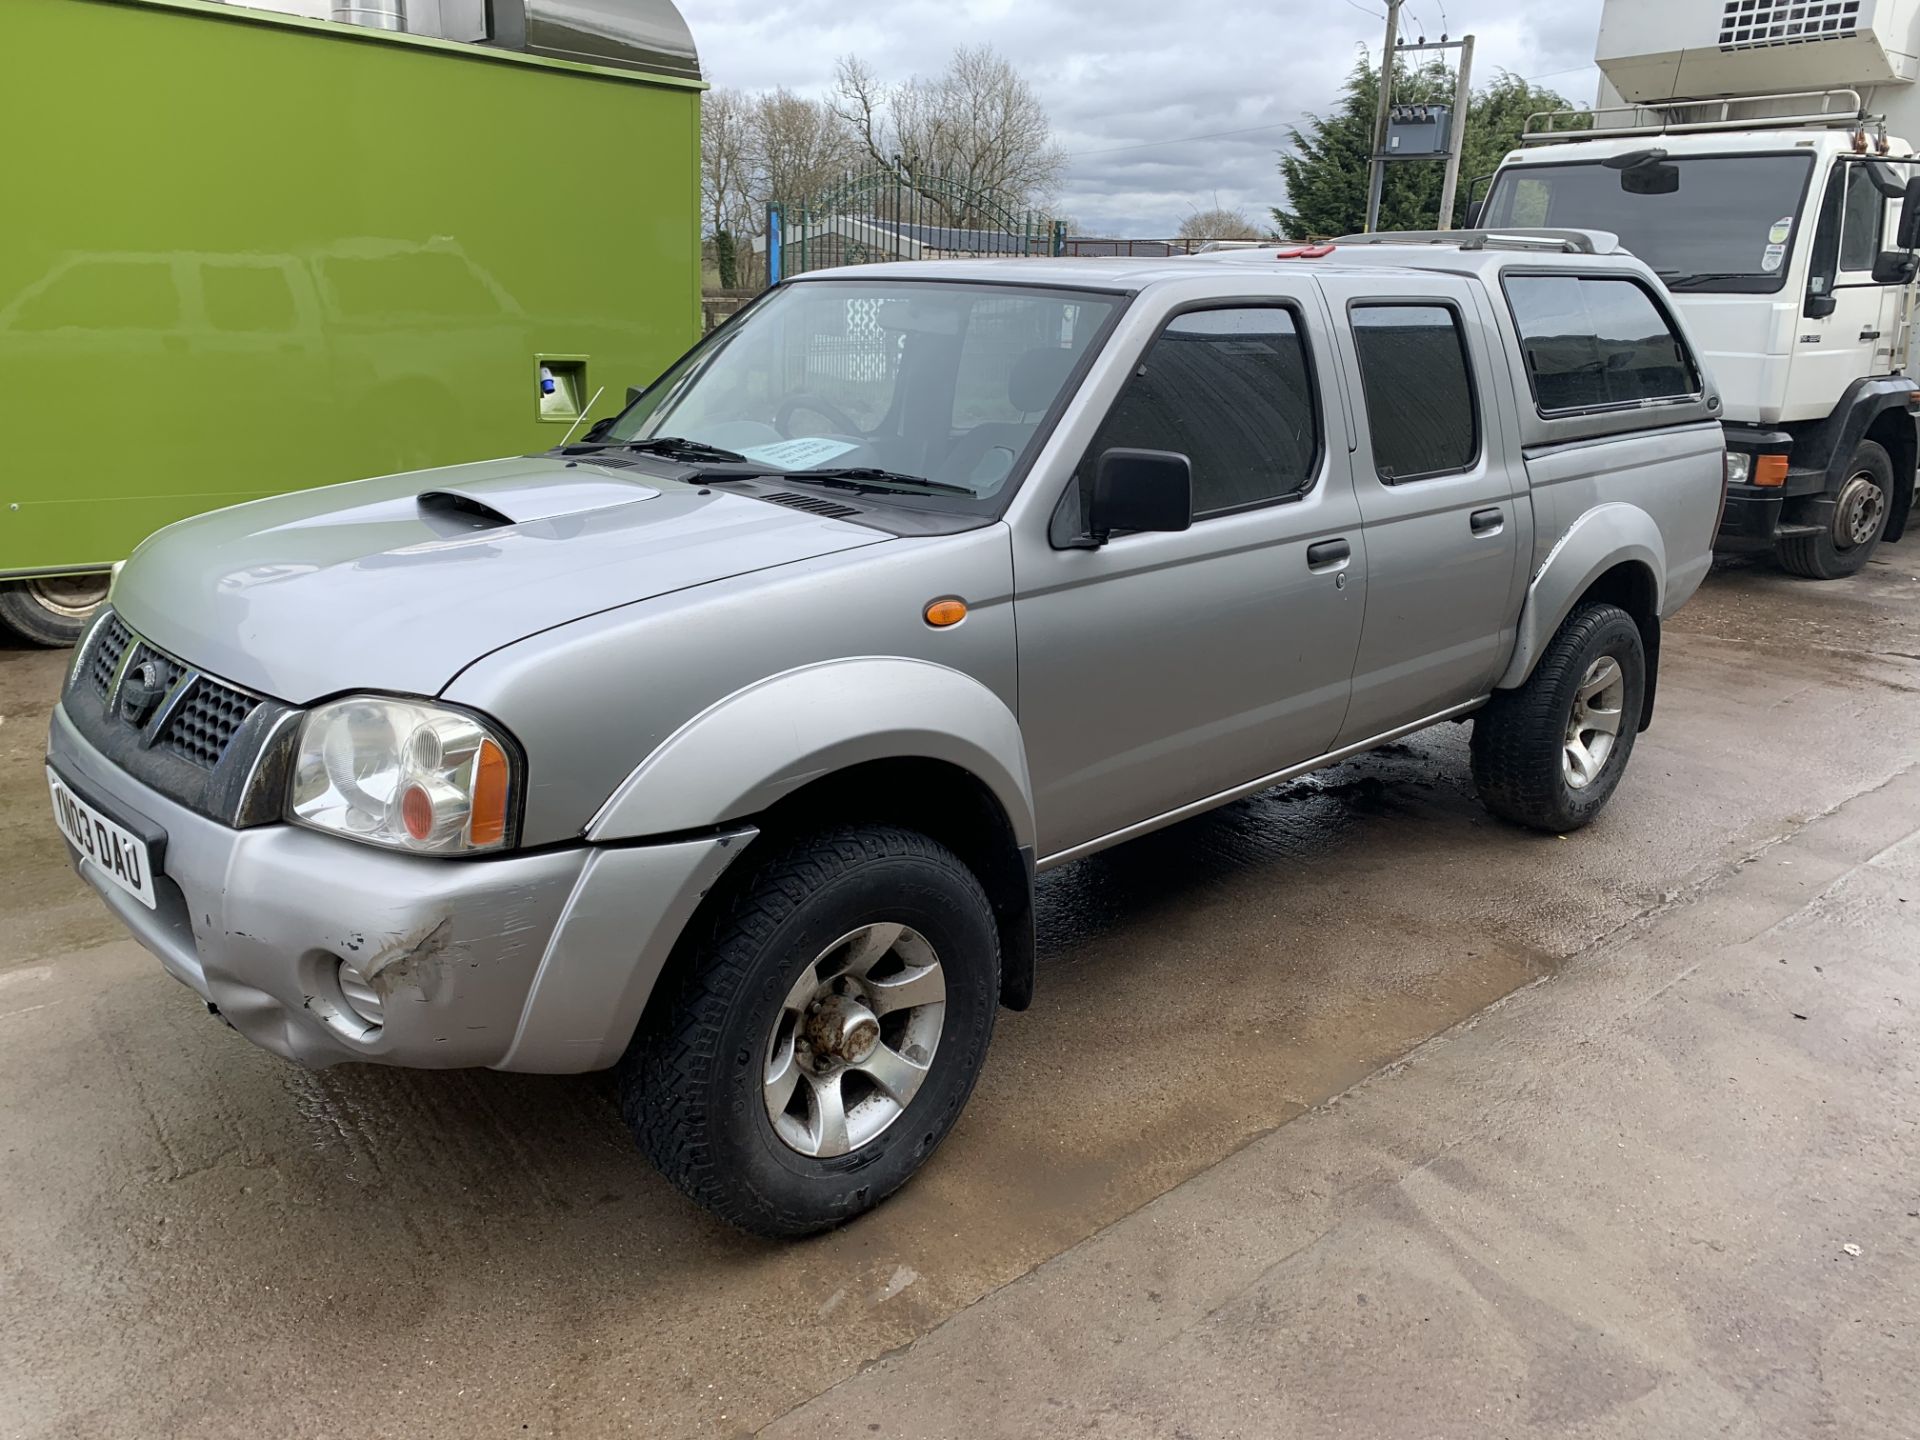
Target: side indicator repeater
(942,613)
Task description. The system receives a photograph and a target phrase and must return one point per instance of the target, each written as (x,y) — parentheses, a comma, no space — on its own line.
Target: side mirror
(1472,218)
(634,392)
(1906,234)
(1819,307)
(1140,490)
(1895,267)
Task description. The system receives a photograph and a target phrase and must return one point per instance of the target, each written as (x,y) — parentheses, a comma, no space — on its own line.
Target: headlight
(404,774)
(1739,467)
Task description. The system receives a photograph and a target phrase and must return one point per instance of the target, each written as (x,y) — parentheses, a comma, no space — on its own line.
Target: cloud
(1132,84)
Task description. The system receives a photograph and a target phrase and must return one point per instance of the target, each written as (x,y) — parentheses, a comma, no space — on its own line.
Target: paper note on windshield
(802,454)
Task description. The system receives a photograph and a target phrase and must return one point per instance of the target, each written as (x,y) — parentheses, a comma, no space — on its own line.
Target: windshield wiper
(1693,280)
(866,477)
(678,447)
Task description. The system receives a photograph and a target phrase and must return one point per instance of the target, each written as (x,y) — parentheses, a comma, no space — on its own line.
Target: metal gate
(899,212)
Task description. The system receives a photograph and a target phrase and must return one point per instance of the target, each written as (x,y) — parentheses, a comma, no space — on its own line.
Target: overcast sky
(1131,83)
(1140,91)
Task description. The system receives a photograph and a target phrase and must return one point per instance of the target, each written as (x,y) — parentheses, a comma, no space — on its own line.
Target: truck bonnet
(399,583)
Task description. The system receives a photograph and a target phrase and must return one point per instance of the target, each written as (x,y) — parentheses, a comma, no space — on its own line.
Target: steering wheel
(802,400)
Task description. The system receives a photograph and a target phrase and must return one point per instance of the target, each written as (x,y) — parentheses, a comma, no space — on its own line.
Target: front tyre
(826,1036)
(1846,542)
(1549,754)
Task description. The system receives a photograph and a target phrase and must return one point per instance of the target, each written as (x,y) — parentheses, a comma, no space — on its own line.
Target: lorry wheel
(825,1037)
(54,610)
(1859,520)
(1549,754)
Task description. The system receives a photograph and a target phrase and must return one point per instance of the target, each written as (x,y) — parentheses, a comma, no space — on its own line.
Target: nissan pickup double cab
(724,745)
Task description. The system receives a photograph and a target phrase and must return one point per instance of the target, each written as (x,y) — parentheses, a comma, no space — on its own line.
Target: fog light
(360,995)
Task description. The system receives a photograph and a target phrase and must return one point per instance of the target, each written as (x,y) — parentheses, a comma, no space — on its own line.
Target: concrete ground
(1344,1111)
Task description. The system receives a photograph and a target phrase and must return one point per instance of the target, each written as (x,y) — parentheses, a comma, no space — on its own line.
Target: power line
(1182,140)
(1376,14)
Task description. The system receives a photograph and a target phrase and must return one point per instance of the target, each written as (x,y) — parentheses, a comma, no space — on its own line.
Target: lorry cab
(1779,218)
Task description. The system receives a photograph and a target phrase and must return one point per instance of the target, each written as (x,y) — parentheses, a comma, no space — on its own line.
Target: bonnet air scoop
(488,502)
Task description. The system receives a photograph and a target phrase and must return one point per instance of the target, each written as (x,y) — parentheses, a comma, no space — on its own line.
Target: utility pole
(1462,98)
(1377,166)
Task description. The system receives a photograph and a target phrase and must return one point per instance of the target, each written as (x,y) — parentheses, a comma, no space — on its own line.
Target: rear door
(1442,497)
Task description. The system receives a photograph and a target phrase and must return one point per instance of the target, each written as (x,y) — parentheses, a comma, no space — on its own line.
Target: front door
(1161,669)
(1857,334)
(1442,498)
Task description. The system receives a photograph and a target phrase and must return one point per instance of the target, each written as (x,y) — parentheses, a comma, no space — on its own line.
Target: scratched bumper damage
(526,962)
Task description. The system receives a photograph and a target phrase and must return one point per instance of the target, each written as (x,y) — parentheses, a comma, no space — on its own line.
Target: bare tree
(979,123)
(727,169)
(1218,223)
(801,147)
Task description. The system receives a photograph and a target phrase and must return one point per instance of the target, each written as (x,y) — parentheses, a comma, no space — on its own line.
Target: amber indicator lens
(942,613)
(1770,470)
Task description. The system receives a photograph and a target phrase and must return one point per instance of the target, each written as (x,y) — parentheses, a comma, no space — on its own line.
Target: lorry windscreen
(1719,222)
(925,393)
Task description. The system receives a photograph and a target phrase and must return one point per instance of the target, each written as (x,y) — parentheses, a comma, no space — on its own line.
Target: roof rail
(1790,110)
(1564,242)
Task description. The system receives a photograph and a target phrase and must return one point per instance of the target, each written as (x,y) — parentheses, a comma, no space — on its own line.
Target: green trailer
(247,252)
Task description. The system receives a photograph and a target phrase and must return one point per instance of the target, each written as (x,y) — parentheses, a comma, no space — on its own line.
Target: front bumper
(538,962)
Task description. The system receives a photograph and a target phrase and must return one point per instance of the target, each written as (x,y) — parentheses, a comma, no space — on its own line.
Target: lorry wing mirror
(1906,234)
(1140,490)
(1473,214)
(1895,267)
(634,392)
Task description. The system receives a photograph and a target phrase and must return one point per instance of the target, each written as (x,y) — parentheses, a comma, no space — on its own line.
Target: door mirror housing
(634,392)
(1140,490)
(1895,267)
(1906,234)
(1472,217)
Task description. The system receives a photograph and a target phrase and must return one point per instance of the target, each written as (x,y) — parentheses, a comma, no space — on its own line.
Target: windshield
(1712,222)
(901,381)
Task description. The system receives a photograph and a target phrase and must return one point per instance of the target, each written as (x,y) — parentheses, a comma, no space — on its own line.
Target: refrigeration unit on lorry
(1756,153)
(250,252)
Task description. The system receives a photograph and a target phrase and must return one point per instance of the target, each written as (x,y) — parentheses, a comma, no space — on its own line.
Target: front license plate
(113,850)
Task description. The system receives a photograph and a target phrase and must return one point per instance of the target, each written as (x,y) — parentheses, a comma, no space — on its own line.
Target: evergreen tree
(1326,169)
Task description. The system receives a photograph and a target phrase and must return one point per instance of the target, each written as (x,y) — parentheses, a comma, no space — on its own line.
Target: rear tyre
(826,1035)
(1860,512)
(54,610)
(1549,754)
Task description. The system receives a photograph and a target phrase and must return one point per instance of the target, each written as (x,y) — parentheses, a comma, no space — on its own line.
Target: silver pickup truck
(724,745)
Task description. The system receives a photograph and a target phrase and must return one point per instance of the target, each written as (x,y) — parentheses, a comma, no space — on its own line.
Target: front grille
(812,504)
(108,646)
(201,742)
(203,724)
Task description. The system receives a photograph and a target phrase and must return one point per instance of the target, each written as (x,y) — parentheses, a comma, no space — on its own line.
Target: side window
(1420,405)
(1866,211)
(1232,391)
(1594,341)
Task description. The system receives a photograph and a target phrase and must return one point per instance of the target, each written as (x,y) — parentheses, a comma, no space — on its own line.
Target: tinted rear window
(1593,342)
(1413,366)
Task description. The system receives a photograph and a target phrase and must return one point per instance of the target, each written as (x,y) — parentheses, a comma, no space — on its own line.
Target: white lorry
(1755,153)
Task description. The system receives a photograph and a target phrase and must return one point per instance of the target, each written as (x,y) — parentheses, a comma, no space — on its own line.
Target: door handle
(1488,522)
(1869,334)
(1328,555)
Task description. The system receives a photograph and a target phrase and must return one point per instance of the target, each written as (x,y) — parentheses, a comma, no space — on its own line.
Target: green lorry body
(246,253)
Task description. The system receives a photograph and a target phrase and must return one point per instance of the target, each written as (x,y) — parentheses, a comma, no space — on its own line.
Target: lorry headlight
(404,774)
(1739,467)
